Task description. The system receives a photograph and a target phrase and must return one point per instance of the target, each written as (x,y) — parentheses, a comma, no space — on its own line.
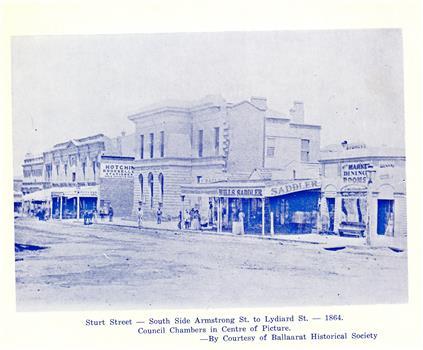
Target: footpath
(329,242)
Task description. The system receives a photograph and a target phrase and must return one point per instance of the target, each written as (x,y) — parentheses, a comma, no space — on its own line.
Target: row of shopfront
(345,207)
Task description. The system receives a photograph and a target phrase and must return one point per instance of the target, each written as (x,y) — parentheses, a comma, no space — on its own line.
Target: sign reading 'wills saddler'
(116,171)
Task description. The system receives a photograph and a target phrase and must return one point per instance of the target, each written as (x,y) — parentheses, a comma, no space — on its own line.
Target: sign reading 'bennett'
(116,171)
(355,172)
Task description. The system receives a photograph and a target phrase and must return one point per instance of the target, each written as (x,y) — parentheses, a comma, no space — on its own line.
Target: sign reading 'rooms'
(356,172)
(116,171)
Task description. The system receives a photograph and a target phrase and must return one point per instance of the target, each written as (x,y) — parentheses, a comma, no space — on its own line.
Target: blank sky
(64,87)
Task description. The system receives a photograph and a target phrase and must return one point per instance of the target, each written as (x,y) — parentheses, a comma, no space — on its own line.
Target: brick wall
(120,193)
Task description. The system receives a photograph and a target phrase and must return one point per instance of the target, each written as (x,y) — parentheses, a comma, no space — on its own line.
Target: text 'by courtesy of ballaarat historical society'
(238,329)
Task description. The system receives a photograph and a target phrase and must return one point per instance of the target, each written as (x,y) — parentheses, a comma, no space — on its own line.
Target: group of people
(90,216)
(190,219)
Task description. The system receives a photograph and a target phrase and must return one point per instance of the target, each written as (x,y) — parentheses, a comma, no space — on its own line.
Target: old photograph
(209,170)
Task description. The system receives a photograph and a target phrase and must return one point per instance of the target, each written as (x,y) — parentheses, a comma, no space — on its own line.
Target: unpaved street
(101,267)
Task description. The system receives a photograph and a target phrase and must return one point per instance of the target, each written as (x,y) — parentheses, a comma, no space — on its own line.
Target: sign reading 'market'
(116,171)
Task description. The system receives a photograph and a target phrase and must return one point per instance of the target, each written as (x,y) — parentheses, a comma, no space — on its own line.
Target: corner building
(191,154)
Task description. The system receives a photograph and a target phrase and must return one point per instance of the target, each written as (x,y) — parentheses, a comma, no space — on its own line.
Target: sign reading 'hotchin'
(116,171)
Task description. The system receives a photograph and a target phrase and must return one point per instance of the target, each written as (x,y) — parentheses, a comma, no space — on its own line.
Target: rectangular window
(270,152)
(305,150)
(83,169)
(161,143)
(216,140)
(94,165)
(142,147)
(73,177)
(151,145)
(200,142)
(66,169)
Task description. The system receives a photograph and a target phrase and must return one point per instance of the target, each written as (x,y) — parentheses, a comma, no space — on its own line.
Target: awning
(71,192)
(251,189)
(39,196)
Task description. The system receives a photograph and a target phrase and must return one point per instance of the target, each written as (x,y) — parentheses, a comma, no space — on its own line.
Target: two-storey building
(83,175)
(189,153)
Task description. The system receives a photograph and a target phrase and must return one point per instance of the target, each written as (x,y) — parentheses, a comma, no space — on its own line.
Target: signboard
(116,171)
(355,172)
(240,192)
(292,187)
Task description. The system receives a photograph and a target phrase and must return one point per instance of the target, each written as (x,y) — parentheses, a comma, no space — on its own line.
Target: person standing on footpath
(110,214)
(159,215)
(241,217)
(139,217)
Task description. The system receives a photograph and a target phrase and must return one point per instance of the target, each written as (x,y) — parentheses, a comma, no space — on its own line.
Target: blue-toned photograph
(209,170)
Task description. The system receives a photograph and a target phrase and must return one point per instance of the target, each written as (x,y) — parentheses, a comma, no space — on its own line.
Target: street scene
(107,266)
(254,180)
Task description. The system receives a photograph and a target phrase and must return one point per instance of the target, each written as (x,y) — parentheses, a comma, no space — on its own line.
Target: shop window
(270,152)
(141,181)
(151,186)
(151,145)
(141,146)
(216,140)
(162,144)
(161,182)
(200,142)
(385,217)
(305,150)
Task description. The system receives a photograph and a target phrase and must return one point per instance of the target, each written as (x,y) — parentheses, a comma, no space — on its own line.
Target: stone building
(184,147)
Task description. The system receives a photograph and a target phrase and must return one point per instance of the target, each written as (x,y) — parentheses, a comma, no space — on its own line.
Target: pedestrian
(110,214)
(180,220)
(95,215)
(241,217)
(139,217)
(159,215)
(186,219)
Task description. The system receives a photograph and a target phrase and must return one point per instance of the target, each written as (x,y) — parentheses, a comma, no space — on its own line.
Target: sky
(64,87)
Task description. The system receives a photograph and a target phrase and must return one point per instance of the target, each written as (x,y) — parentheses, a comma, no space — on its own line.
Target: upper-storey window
(162,145)
(305,150)
(141,146)
(216,140)
(200,142)
(151,145)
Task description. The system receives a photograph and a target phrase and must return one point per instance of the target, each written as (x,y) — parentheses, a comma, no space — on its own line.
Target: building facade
(363,191)
(185,149)
(70,177)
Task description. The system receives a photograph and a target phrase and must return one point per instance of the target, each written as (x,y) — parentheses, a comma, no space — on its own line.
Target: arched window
(151,186)
(161,182)
(141,180)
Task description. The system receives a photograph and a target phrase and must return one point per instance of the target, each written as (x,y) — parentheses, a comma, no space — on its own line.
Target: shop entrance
(385,217)
(331,209)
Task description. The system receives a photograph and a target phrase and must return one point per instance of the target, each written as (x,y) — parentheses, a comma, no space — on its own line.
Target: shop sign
(116,171)
(356,172)
(240,192)
(292,187)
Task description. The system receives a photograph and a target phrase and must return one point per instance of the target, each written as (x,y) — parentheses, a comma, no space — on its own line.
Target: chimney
(259,102)
(297,112)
